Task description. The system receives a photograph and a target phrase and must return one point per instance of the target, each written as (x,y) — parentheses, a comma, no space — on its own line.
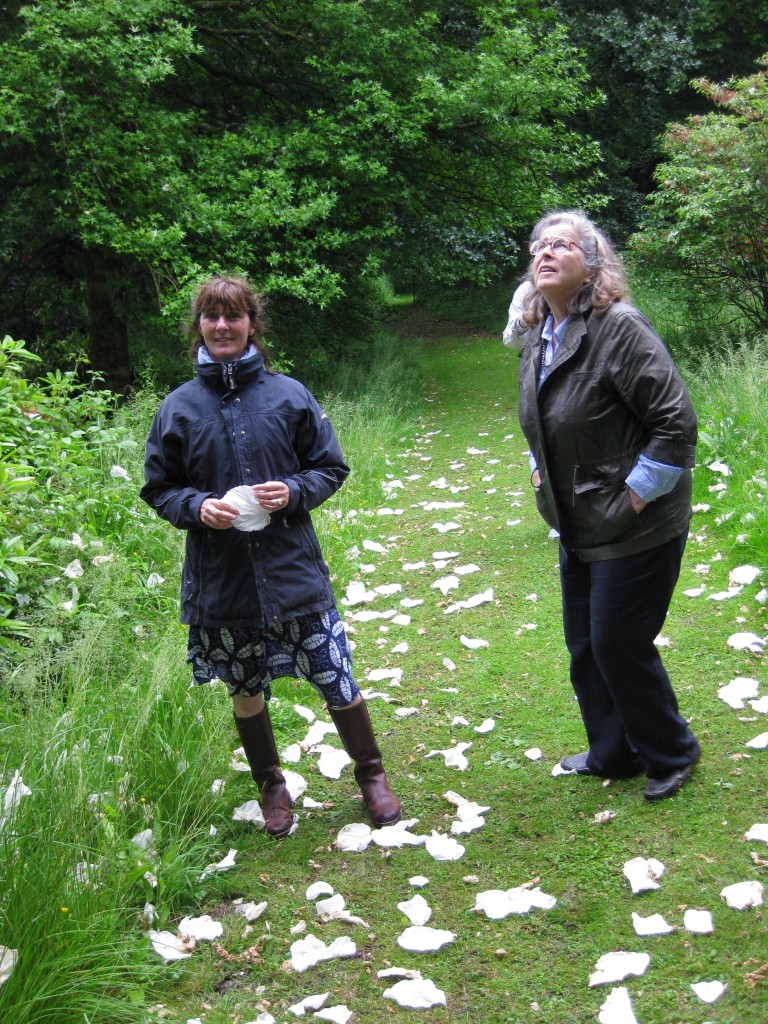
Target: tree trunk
(107,330)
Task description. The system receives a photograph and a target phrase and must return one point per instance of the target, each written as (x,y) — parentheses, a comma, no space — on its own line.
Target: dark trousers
(612,612)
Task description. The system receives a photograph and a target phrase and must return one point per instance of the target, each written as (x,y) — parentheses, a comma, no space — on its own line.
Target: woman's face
(559,272)
(226,334)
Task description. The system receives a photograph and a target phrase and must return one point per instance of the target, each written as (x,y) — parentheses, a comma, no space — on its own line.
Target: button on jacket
(238,424)
(611,394)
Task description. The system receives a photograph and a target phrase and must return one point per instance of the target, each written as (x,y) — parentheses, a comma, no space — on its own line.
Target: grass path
(539,829)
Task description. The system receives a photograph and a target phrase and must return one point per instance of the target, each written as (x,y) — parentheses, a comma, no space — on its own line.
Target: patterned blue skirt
(312,647)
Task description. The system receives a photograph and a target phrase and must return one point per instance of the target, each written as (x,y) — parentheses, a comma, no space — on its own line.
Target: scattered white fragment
(454,756)
(317,732)
(497,904)
(709,991)
(418,881)
(8,960)
(416,994)
(295,783)
(169,946)
(378,675)
(459,720)
(310,1003)
(406,712)
(737,691)
(761,705)
(332,761)
(118,473)
(758,832)
(762,596)
(401,648)
(250,811)
(486,597)
(471,643)
(643,874)
(441,847)
(13,794)
(694,591)
(354,838)
(534,754)
(251,911)
(446,527)
(373,545)
(334,909)
(603,816)
(75,570)
(653,925)
(759,742)
(743,895)
(305,713)
(450,665)
(464,827)
(725,595)
(612,967)
(318,890)
(311,951)
(413,566)
(200,929)
(292,753)
(617,1008)
(445,556)
(225,864)
(747,642)
(445,584)
(337,1014)
(420,939)
(465,570)
(487,725)
(720,467)
(417,910)
(398,835)
(743,575)
(699,922)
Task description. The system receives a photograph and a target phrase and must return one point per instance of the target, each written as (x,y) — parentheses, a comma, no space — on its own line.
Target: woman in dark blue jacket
(258,601)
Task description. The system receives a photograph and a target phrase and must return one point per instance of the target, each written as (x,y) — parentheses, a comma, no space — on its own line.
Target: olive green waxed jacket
(611,394)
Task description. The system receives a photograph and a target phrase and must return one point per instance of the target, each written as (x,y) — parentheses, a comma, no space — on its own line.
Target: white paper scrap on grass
(737,691)
(378,675)
(169,946)
(445,556)
(292,754)
(459,720)
(617,1008)
(310,1003)
(296,784)
(442,847)
(534,754)
(699,922)
(446,527)
(758,832)
(200,929)
(760,706)
(653,925)
(486,597)
(694,591)
(416,994)
(725,595)
(354,837)
(743,575)
(421,939)
(454,756)
(487,725)
(317,732)
(225,864)
(720,467)
(8,960)
(413,566)
(472,644)
(465,570)
(463,828)
(250,911)
(395,836)
(418,881)
(759,742)
(319,889)
(709,991)
(416,909)
(747,642)
(373,545)
(497,904)
(13,795)
(309,952)
(250,811)
(643,874)
(445,584)
(332,761)
(743,895)
(337,1014)
(402,647)
(612,967)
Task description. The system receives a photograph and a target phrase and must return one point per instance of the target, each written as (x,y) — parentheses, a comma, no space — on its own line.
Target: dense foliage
(309,144)
(708,222)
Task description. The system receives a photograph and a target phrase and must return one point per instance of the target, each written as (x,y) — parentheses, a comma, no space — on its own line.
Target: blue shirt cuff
(650,480)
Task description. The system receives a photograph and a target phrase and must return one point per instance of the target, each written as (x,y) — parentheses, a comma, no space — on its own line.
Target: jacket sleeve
(322,467)
(648,382)
(166,487)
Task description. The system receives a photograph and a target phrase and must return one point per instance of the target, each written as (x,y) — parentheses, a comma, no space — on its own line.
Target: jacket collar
(231,376)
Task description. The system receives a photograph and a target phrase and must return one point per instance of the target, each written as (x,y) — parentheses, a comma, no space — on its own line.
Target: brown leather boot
(356,734)
(258,743)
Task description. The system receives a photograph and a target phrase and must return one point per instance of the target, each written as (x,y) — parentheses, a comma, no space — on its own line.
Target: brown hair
(607,282)
(233,296)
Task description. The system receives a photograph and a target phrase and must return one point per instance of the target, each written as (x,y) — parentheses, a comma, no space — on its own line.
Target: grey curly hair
(607,281)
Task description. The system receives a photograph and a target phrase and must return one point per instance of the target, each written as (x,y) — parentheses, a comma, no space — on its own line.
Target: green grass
(110,692)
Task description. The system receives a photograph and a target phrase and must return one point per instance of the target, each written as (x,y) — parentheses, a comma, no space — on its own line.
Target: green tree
(708,218)
(308,144)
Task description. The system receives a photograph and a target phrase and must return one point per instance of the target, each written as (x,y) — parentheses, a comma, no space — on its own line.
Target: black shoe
(660,789)
(576,763)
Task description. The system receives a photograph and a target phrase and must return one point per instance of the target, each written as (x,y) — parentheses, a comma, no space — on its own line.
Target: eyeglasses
(557,245)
